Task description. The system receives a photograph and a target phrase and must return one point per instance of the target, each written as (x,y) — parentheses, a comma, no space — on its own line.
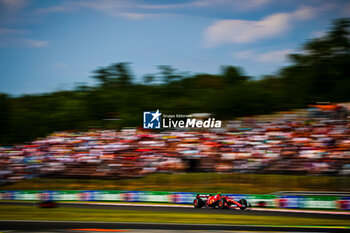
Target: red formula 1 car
(219,201)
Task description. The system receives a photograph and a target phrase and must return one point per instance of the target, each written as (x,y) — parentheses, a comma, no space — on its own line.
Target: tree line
(318,72)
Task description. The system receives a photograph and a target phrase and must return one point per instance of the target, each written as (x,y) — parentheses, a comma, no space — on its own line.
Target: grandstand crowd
(285,145)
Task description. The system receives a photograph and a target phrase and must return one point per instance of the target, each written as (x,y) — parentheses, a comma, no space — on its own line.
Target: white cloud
(13,4)
(234,4)
(107,6)
(252,4)
(345,10)
(10,31)
(134,16)
(139,16)
(53,9)
(134,9)
(199,3)
(237,4)
(14,38)
(10,10)
(318,34)
(246,31)
(247,54)
(113,8)
(27,43)
(275,56)
(268,57)
(34,43)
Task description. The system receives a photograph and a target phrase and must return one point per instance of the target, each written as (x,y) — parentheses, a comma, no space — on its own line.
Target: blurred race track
(71,226)
(189,209)
(20,226)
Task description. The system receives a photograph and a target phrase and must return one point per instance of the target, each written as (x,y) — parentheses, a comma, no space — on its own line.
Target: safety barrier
(305,202)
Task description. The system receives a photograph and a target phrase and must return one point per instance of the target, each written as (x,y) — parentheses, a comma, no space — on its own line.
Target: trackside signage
(157,120)
(298,202)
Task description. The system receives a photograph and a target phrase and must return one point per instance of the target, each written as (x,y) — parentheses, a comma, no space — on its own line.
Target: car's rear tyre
(222,204)
(244,204)
(197,203)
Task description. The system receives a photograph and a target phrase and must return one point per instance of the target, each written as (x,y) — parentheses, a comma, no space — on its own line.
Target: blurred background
(76,77)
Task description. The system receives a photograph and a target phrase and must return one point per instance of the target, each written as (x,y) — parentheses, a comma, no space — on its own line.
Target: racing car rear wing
(203,195)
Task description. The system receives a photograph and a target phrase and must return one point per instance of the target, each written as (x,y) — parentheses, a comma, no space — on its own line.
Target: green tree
(5,117)
(232,74)
(319,72)
(168,73)
(148,79)
(323,64)
(114,75)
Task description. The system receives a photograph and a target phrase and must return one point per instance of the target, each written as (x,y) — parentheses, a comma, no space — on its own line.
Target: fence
(305,202)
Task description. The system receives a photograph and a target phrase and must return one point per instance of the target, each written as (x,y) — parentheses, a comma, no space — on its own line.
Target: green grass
(8,212)
(152,203)
(194,182)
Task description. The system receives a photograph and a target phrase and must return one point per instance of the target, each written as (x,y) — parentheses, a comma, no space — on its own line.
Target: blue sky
(51,45)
